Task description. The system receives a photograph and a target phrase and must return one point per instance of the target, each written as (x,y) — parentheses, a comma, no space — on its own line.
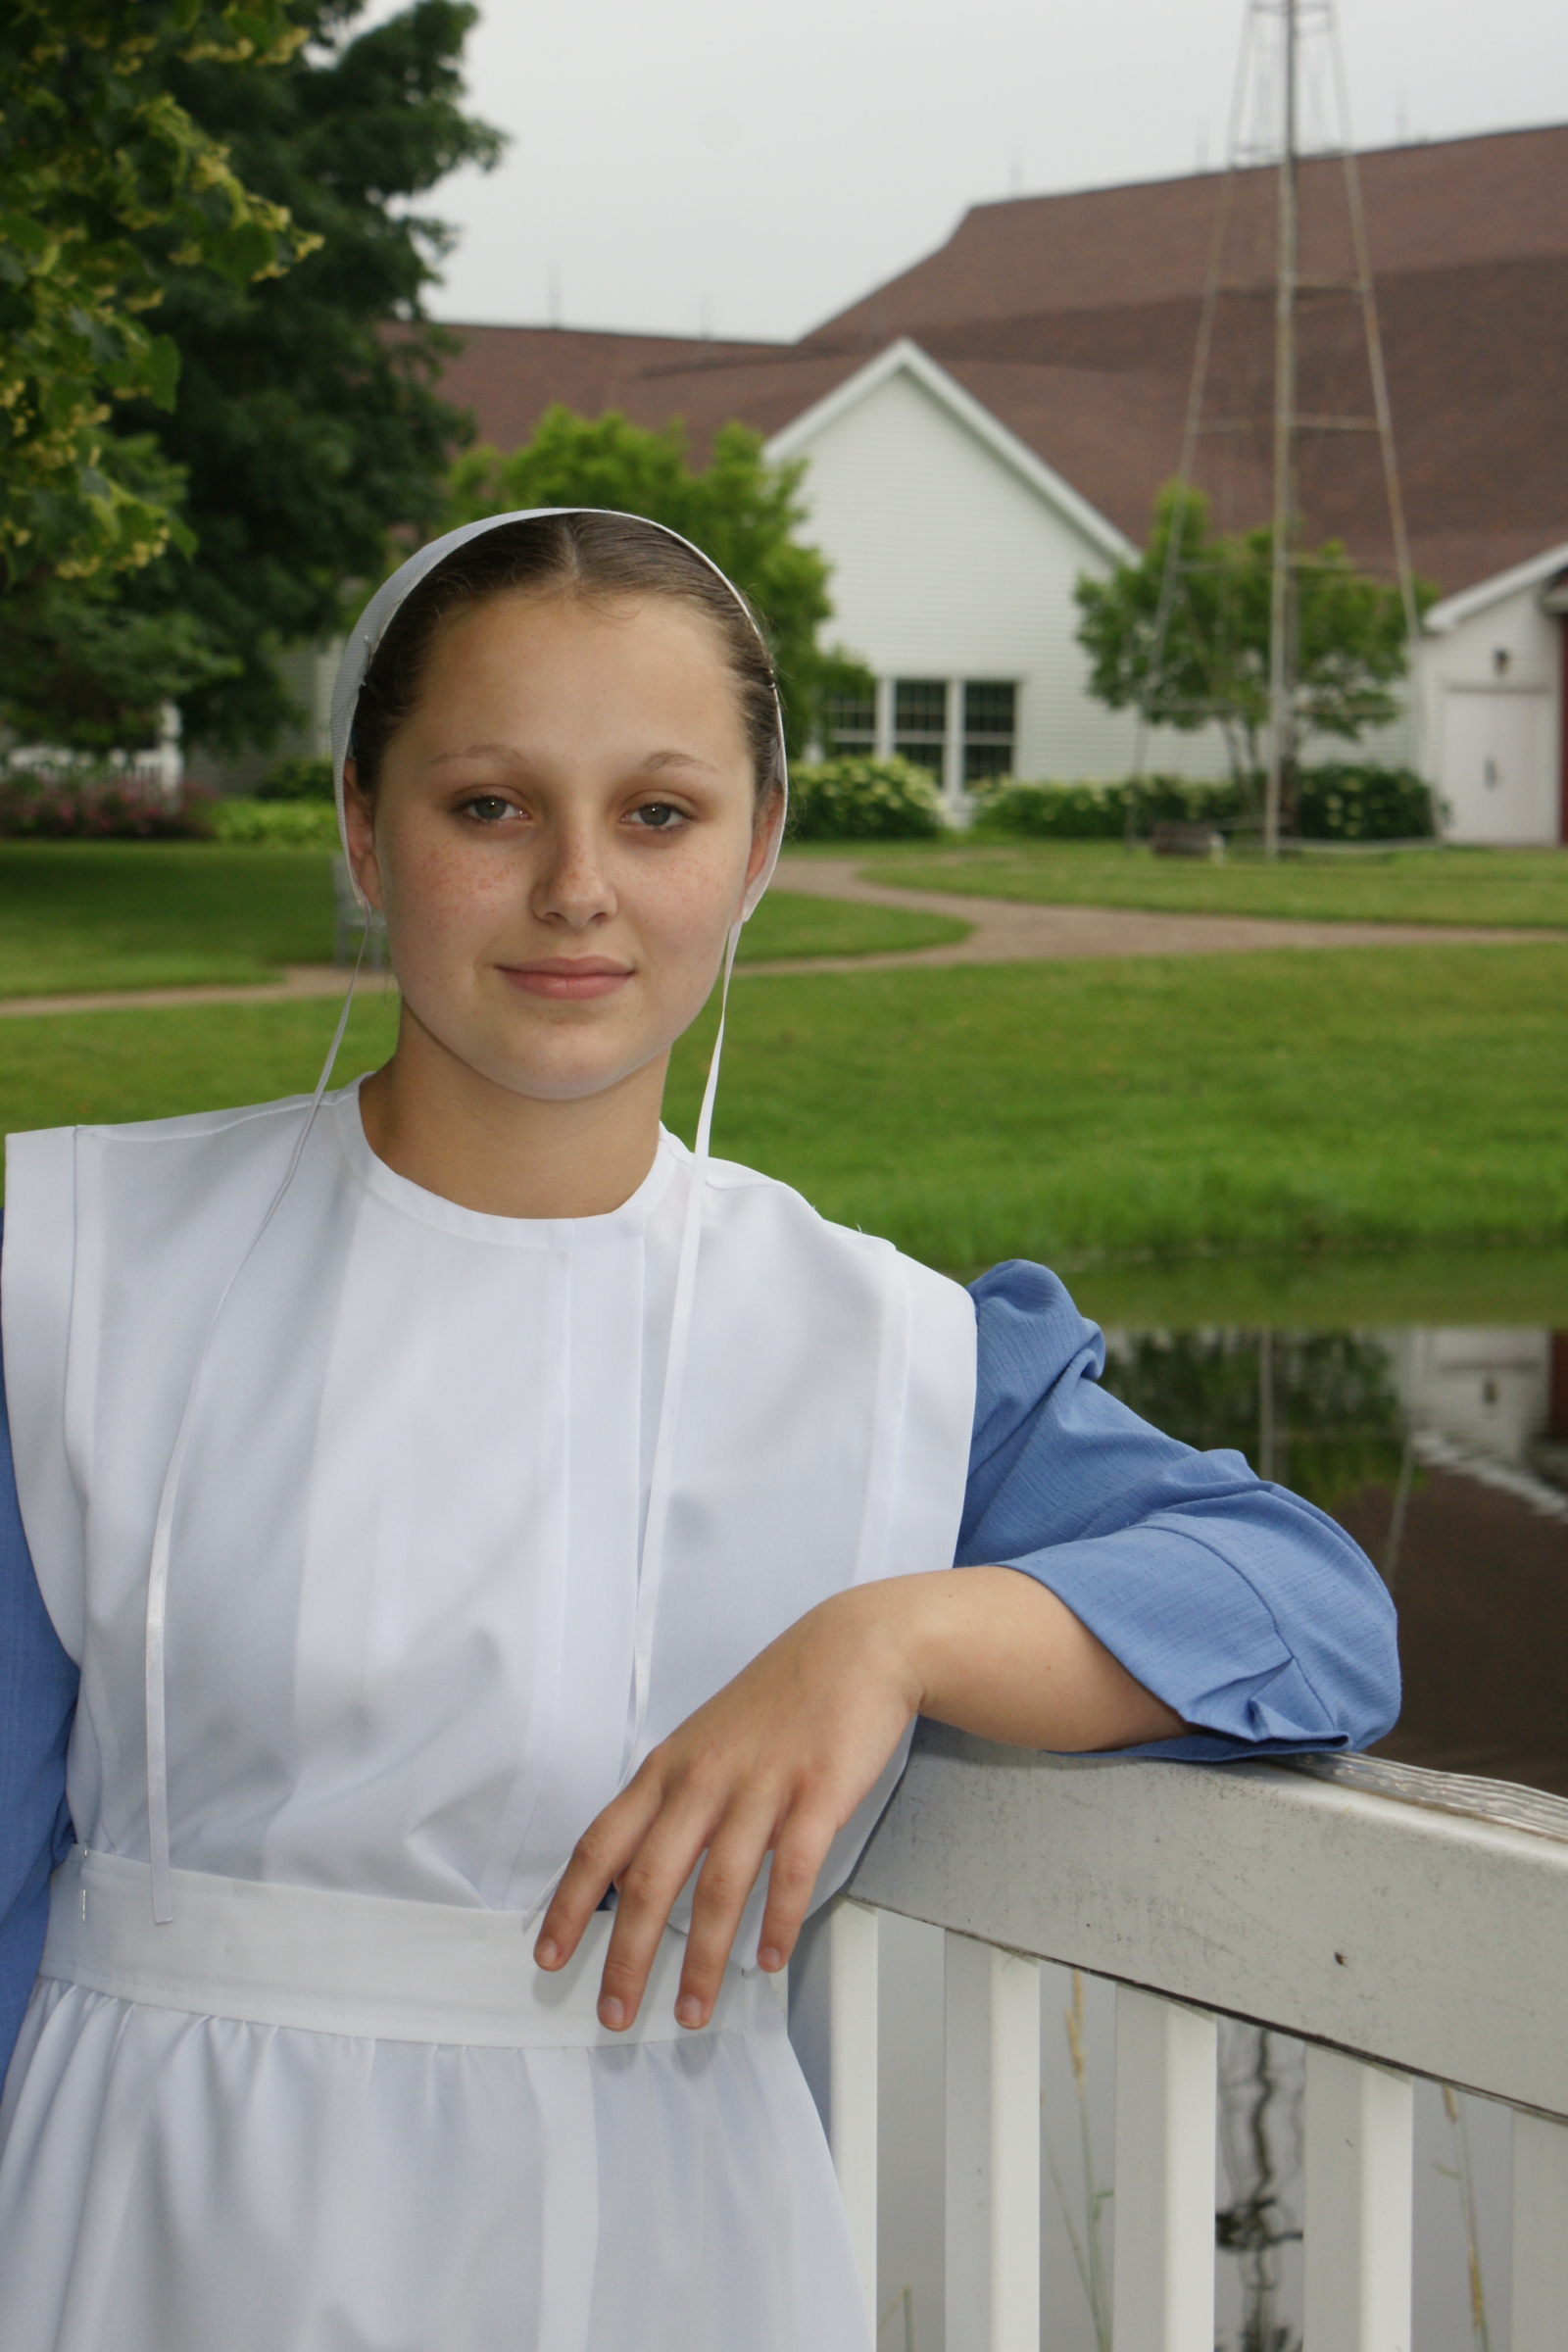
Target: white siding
(1493,733)
(948,565)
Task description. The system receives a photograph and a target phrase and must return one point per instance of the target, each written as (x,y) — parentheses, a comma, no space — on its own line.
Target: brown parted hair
(579,554)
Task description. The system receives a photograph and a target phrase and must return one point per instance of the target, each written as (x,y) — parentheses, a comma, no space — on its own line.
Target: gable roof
(905,358)
(1537,574)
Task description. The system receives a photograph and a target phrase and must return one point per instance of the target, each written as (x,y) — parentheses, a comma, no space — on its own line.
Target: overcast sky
(702,166)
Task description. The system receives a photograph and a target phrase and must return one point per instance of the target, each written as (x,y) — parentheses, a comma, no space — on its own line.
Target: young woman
(482,1562)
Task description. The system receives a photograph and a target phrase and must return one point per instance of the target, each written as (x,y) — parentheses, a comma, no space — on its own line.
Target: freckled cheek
(687,915)
(444,891)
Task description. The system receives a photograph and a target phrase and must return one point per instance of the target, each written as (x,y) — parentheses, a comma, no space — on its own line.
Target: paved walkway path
(1009,931)
(299,980)
(1000,931)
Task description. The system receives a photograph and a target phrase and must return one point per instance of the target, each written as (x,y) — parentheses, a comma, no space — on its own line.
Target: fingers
(735,1858)
(645,1892)
(601,1854)
(798,1853)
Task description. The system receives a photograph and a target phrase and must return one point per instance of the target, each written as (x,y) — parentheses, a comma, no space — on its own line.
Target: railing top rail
(1460,1792)
(1417,1919)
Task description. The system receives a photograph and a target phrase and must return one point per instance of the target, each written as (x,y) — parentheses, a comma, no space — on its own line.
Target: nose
(571,886)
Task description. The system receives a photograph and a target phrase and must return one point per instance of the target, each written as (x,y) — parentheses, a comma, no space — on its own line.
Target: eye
(487,807)
(658,816)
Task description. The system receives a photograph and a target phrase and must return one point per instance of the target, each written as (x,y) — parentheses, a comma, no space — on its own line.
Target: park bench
(1170,839)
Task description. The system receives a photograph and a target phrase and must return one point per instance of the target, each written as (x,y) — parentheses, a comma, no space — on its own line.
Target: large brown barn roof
(1503,197)
(1073,320)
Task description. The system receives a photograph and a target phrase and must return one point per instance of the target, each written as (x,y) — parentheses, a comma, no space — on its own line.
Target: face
(562,833)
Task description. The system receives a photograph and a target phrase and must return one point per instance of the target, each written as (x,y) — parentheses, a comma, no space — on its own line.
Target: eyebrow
(655,763)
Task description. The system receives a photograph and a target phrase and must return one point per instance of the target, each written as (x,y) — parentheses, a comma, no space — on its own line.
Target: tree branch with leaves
(1182,636)
(94,152)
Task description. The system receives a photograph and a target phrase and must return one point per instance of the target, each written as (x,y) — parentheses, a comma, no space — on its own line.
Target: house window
(849,727)
(920,723)
(989,730)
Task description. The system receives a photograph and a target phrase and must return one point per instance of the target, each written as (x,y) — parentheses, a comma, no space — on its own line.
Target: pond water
(1444,1450)
(1423,1402)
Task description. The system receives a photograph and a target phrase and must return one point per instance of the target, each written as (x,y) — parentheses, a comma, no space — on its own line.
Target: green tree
(738,509)
(95,152)
(307,419)
(1209,664)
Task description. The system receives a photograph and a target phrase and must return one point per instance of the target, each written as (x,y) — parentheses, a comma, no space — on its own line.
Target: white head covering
(372,625)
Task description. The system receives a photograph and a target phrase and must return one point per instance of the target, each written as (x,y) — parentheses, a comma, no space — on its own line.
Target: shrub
(863,800)
(275,824)
(1335,802)
(1099,811)
(1342,801)
(88,806)
(300,779)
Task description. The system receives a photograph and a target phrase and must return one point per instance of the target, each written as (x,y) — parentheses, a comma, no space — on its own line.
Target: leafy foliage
(1334,801)
(1100,812)
(84,670)
(306,418)
(305,779)
(96,151)
(864,800)
(738,509)
(274,824)
(1214,663)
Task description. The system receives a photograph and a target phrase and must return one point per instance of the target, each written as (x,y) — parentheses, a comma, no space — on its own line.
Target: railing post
(1539,2234)
(1359,2154)
(851,1931)
(1163,2290)
(993,2149)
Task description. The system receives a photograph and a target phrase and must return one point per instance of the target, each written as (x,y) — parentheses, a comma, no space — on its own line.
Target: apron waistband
(355,1964)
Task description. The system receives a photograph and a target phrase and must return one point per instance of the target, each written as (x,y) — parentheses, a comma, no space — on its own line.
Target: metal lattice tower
(1290,56)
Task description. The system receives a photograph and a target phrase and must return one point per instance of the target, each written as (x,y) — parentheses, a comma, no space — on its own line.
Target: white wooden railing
(1401,1922)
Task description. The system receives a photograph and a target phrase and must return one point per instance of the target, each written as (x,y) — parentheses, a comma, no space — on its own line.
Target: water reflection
(1445,1452)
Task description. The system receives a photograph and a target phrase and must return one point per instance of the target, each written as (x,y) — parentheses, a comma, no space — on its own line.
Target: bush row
(1336,802)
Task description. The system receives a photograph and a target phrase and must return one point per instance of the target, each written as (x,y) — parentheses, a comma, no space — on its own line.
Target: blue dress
(1248,1611)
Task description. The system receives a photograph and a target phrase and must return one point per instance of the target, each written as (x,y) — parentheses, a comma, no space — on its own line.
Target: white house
(1493,705)
(956,551)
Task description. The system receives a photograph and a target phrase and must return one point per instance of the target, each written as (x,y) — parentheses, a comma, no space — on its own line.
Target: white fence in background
(1401,1922)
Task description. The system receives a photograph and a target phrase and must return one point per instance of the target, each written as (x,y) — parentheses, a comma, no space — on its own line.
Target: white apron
(402,1626)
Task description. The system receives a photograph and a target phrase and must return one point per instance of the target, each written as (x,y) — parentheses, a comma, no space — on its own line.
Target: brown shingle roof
(1073,320)
(1428,207)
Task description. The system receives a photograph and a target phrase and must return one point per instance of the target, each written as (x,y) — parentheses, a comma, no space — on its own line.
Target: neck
(457,1134)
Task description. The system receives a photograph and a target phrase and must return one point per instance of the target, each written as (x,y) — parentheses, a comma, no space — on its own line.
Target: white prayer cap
(370,627)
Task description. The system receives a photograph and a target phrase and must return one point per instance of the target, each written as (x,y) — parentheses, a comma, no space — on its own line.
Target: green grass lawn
(174,914)
(1341,1099)
(1524,887)
(155,915)
(789,925)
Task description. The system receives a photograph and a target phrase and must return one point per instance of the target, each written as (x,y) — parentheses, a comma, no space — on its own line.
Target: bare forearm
(993,1652)
(778,1760)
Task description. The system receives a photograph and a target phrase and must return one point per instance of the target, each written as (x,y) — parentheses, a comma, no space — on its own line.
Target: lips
(567,979)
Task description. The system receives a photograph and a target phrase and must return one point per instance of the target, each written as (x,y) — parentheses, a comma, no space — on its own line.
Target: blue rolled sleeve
(1248,1611)
(37,1705)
